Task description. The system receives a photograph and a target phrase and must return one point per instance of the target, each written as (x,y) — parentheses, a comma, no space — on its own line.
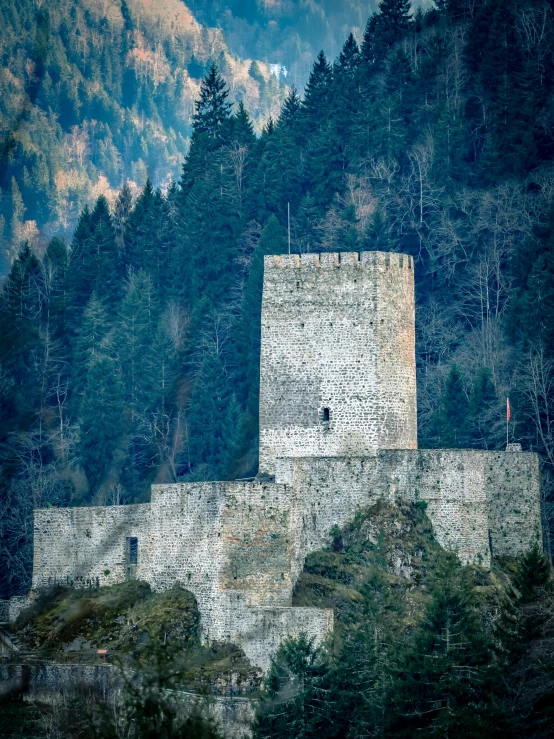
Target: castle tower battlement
(338,371)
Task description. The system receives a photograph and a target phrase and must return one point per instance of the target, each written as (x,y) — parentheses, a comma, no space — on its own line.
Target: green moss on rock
(387,552)
(119,618)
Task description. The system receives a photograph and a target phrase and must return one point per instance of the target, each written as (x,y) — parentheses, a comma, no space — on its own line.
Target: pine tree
(101,420)
(243,151)
(449,422)
(279,176)
(395,19)
(211,128)
(141,232)
(133,332)
(315,105)
(207,418)
(290,691)
(123,208)
(212,111)
(242,128)
(20,306)
(369,48)
(346,89)
(447,683)
(290,110)
(210,224)
(377,236)
(79,287)
(483,408)
(55,263)
(94,262)
(132,339)
(307,220)
(89,345)
(384,30)
(327,165)
(534,576)
(105,254)
(159,370)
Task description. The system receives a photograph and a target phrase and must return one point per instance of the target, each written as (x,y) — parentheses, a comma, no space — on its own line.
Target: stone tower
(338,375)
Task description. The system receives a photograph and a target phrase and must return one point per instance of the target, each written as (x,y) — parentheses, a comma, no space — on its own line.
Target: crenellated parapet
(337,260)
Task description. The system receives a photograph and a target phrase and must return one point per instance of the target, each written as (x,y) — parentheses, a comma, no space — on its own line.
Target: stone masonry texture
(337,433)
(338,333)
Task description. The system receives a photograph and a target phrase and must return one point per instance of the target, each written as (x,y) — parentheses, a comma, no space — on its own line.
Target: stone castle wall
(231,544)
(337,338)
(338,334)
(239,547)
(83,547)
(475,499)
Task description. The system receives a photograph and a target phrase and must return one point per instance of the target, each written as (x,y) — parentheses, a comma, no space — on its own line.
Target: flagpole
(507,420)
(288,222)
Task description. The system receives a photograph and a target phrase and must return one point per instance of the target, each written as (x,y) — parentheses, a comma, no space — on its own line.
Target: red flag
(508,411)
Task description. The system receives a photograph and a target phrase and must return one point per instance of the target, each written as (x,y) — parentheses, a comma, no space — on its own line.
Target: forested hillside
(96,93)
(288,33)
(130,355)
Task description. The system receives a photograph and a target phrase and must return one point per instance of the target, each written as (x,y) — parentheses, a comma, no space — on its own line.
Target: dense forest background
(97,93)
(289,33)
(130,354)
(94,94)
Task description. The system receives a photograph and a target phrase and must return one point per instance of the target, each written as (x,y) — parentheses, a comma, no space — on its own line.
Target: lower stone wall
(512,482)
(50,683)
(452,483)
(239,547)
(85,547)
(260,631)
(42,682)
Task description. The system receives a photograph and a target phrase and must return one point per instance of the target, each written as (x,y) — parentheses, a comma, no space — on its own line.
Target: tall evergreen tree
(211,126)
(448,680)
(20,305)
(292,106)
(315,105)
(385,29)
(207,416)
(89,345)
(101,421)
(55,263)
(449,424)
(135,327)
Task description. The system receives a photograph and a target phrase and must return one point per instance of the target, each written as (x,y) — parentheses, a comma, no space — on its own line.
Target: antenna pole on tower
(288,216)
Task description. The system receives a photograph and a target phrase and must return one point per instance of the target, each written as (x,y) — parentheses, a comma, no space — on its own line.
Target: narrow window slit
(133,550)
